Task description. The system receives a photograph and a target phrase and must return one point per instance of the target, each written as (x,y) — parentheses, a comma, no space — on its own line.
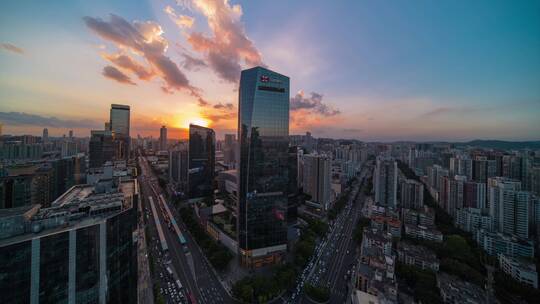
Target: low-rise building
(418,256)
(472,219)
(519,269)
(497,243)
(456,291)
(423,232)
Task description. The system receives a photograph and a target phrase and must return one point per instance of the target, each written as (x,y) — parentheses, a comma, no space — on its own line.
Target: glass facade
(119,124)
(87,265)
(202,156)
(15,273)
(54,268)
(263,133)
(122,258)
(48,258)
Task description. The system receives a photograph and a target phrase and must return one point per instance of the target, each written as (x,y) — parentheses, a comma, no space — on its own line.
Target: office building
(163,138)
(202,158)
(263,136)
(119,126)
(385,182)
(80,250)
(24,185)
(317,178)
(101,148)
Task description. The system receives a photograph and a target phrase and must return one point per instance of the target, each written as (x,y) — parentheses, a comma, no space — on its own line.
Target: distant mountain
(501,144)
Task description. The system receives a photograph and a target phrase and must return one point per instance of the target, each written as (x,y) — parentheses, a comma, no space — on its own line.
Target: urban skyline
(422,76)
(180,161)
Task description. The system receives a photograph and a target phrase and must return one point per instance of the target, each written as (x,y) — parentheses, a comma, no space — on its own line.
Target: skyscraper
(163,138)
(385,182)
(263,135)
(202,157)
(120,125)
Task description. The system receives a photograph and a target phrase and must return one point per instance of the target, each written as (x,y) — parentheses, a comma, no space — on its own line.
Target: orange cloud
(145,39)
(228,46)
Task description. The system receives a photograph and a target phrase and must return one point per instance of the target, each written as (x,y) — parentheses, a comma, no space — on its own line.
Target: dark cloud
(143,38)
(24,119)
(228,45)
(191,63)
(352,130)
(227,106)
(115,74)
(12,48)
(313,104)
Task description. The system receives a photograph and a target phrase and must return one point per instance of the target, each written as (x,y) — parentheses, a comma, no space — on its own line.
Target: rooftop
(80,206)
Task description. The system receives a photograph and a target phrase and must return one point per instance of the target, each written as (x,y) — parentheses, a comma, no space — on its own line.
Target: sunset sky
(370,70)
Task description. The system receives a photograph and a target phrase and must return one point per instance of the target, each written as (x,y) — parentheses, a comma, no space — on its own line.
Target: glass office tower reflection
(202,157)
(263,132)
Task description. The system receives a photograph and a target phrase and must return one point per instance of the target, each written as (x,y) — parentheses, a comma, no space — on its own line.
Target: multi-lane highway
(199,282)
(333,261)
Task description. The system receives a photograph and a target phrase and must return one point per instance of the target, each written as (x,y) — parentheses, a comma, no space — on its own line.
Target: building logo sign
(265,78)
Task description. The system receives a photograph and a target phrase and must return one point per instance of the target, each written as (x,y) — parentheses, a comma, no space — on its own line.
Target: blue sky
(394,70)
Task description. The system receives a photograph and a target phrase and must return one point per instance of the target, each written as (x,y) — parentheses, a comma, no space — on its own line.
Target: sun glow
(197,121)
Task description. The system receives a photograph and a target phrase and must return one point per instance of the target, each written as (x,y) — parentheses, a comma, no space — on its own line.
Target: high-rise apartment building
(509,206)
(120,125)
(455,194)
(412,194)
(385,182)
(163,138)
(317,179)
(263,136)
(178,168)
(202,158)
(45,137)
(474,195)
(461,165)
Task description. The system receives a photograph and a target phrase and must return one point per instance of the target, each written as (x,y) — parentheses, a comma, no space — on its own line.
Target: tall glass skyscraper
(119,124)
(263,134)
(202,157)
